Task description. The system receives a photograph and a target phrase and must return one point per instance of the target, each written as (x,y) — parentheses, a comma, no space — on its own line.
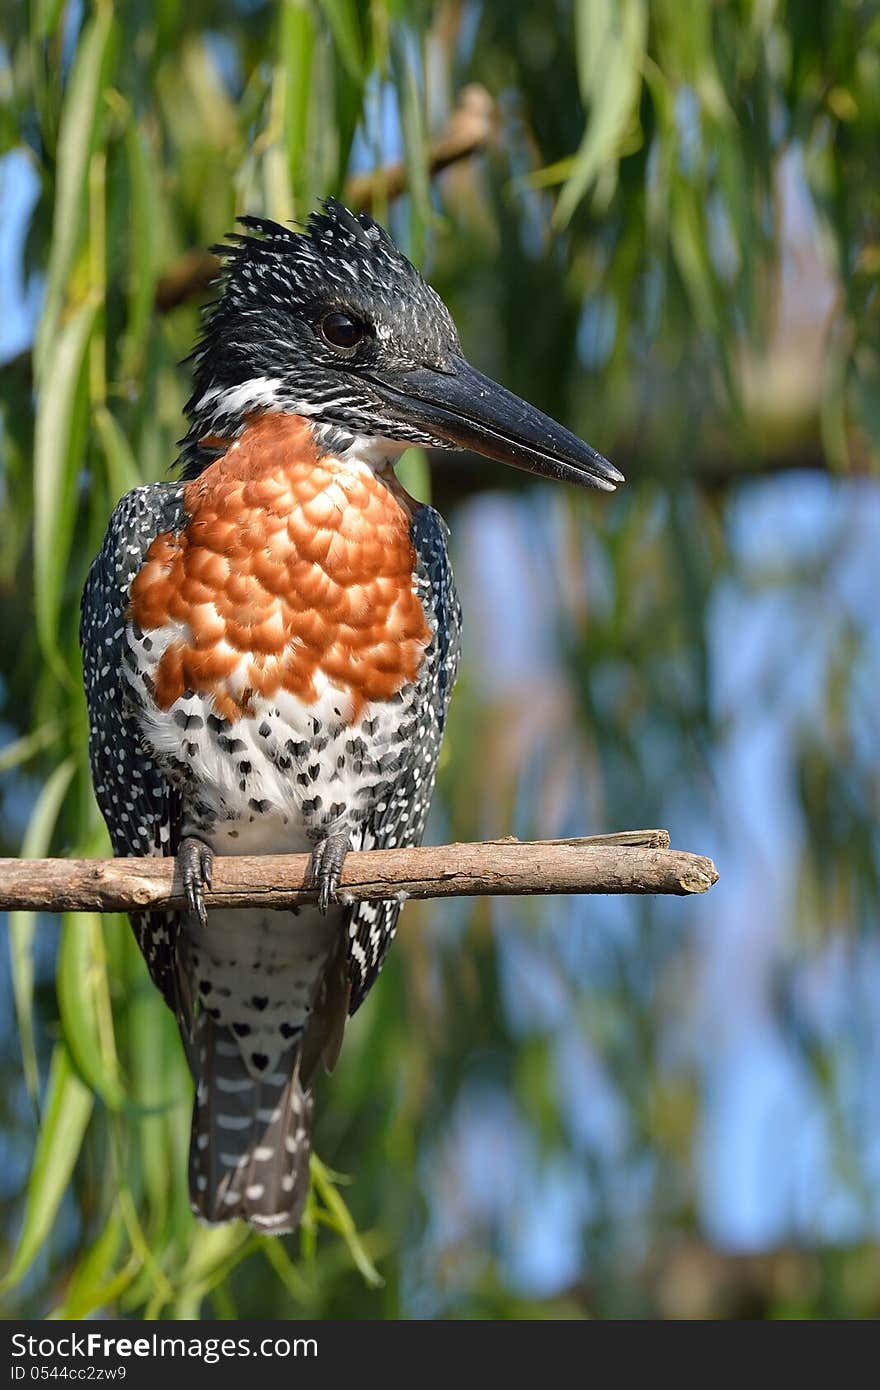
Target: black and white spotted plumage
(398,818)
(325,355)
(141,807)
(237,984)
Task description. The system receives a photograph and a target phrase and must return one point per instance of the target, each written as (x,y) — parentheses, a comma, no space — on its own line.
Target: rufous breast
(295,571)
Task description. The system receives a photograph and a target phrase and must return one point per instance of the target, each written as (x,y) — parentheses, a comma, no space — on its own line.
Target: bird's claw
(195,860)
(325,868)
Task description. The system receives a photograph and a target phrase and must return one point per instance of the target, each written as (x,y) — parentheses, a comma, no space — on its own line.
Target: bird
(270,639)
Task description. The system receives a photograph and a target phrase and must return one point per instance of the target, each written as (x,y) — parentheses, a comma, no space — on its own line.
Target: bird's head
(335,324)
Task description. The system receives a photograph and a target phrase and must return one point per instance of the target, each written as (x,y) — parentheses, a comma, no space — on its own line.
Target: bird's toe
(195,860)
(325,867)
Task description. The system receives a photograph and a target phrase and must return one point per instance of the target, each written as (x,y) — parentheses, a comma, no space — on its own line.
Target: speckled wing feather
(398,820)
(141,809)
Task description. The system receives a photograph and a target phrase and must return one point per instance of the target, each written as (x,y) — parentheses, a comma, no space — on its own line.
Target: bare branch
(455,480)
(469,130)
(631,862)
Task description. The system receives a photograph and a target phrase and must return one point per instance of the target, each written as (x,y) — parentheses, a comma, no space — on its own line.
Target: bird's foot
(325,867)
(195,860)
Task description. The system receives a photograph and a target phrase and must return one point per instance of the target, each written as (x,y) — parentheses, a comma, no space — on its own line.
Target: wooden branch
(682,1278)
(190,275)
(455,478)
(469,130)
(635,861)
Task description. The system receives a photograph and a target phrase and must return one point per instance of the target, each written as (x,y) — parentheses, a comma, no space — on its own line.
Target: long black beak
(470,411)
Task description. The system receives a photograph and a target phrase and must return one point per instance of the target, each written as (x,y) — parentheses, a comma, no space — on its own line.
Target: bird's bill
(470,411)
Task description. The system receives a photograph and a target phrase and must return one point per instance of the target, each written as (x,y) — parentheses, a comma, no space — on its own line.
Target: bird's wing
(404,809)
(141,809)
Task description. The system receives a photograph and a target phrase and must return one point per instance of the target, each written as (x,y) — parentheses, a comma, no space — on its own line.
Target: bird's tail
(250,1142)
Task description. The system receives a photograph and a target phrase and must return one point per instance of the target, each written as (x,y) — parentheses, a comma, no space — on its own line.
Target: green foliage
(615,255)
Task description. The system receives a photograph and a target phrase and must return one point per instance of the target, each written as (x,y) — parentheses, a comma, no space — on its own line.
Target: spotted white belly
(257,972)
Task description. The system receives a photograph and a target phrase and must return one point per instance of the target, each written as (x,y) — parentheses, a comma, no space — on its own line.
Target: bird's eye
(341,331)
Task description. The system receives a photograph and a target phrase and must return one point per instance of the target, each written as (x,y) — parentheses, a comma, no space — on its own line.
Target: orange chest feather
(294,572)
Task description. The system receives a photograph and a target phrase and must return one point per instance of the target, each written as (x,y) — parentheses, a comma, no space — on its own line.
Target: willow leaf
(22,925)
(79,120)
(57,453)
(66,1114)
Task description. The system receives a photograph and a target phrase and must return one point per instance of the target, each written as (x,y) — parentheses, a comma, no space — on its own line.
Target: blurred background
(660,221)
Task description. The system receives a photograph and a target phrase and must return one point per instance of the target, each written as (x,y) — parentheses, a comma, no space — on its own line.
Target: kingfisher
(270,643)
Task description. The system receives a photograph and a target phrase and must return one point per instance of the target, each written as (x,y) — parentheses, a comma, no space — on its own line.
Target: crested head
(333,323)
(304,319)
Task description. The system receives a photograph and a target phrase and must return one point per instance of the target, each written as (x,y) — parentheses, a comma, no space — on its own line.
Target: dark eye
(341,331)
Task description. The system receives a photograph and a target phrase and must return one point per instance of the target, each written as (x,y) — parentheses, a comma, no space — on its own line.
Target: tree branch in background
(455,478)
(635,861)
(686,1279)
(469,129)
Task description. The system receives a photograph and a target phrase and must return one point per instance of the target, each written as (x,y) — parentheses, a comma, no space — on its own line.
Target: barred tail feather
(250,1143)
